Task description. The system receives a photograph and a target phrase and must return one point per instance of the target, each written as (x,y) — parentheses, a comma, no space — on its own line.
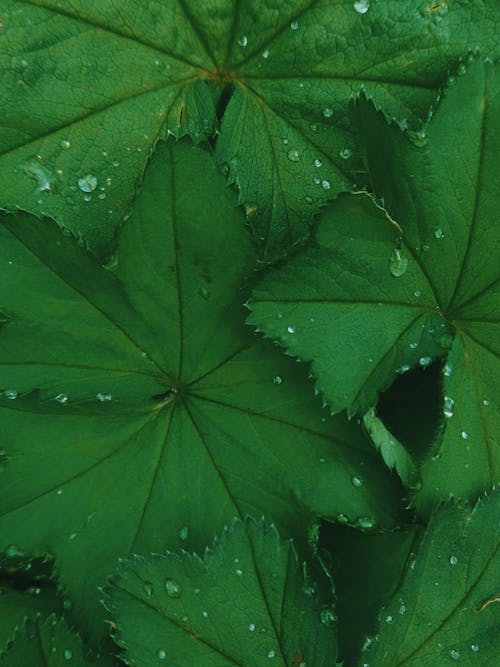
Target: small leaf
(448,606)
(49,643)
(245,603)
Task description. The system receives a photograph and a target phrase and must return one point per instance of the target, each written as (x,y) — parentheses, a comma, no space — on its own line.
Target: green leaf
(393,452)
(16,606)
(137,410)
(48,643)
(88,87)
(246,603)
(370,300)
(367,569)
(447,607)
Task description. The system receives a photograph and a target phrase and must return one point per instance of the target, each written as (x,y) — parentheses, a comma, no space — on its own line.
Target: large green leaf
(87,87)
(49,643)
(138,412)
(246,603)
(447,609)
(371,299)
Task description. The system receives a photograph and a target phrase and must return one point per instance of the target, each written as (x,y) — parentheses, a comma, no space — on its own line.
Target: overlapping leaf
(371,298)
(49,643)
(137,410)
(245,603)
(448,608)
(16,606)
(87,87)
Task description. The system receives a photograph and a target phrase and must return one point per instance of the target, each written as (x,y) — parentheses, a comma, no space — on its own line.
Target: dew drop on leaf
(474,648)
(162,654)
(327,617)
(291,329)
(61,398)
(11,394)
(173,588)
(65,144)
(87,183)
(294,25)
(148,588)
(243,40)
(293,155)
(67,654)
(277,379)
(251,627)
(271,653)
(439,234)
(362,6)
(464,435)
(183,533)
(357,481)
(454,654)
(265,54)
(398,262)
(345,153)
(449,404)
(104,397)
(325,184)
(317,163)
(328,112)
(453,560)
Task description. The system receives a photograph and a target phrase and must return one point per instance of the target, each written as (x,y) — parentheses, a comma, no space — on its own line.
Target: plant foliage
(184,482)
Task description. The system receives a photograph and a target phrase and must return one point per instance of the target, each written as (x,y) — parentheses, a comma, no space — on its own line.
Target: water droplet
(294,25)
(316,180)
(389,619)
(11,394)
(102,195)
(65,144)
(362,6)
(183,533)
(87,198)
(87,183)
(398,262)
(439,234)
(313,127)
(474,648)
(243,40)
(162,654)
(67,654)
(454,654)
(238,572)
(265,54)
(204,293)
(291,328)
(413,346)
(449,404)
(251,627)
(448,370)
(342,518)
(285,141)
(309,200)
(419,137)
(357,481)
(148,588)
(293,155)
(328,112)
(365,522)
(13,552)
(453,560)
(325,184)
(327,617)
(173,588)
(277,379)
(40,173)
(204,614)
(309,591)
(417,293)
(59,492)
(425,361)
(317,163)
(464,435)
(486,402)
(104,397)
(271,653)
(402,609)
(345,153)
(403,369)
(61,398)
